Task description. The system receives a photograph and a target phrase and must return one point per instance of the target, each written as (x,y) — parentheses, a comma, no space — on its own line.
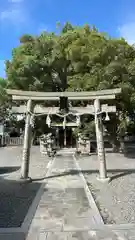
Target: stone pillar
(58,137)
(65,137)
(27,143)
(100,142)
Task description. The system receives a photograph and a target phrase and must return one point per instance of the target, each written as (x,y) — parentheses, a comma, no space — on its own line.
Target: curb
(97,216)
(29,217)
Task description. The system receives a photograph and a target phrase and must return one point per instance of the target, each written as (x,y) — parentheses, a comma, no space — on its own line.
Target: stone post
(27,143)
(100,142)
(65,133)
(65,137)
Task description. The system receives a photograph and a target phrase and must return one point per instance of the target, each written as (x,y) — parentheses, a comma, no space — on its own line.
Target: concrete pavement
(63,207)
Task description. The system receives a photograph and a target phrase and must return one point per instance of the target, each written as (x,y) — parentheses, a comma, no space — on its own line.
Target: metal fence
(13,141)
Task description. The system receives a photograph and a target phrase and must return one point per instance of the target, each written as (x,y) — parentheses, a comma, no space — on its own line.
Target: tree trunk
(122,148)
(112,131)
(114,143)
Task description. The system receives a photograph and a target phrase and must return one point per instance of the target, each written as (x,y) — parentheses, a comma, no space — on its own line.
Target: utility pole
(100,142)
(27,143)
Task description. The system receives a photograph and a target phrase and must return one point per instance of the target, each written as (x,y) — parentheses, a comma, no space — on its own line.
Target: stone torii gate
(31,96)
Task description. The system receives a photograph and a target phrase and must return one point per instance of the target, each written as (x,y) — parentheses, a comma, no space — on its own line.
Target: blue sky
(17,17)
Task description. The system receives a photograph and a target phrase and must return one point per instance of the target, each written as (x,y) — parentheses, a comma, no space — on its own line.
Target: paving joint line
(29,217)
(90,198)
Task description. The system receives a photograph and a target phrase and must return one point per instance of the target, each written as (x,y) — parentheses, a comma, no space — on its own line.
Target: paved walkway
(64,206)
(66,210)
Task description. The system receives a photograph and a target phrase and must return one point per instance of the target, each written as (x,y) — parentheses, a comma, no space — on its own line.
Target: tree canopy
(77,59)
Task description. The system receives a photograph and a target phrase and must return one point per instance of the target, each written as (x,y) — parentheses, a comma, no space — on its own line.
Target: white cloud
(127,31)
(14,16)
(15,13)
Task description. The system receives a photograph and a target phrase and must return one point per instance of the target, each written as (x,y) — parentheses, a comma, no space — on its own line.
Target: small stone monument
(47,144)
(83,145)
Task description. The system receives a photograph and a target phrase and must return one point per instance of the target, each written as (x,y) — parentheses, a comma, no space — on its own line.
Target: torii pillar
(100,142)
(27,144)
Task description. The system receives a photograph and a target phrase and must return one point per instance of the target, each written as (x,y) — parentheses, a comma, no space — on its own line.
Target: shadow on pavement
(130,154)
(117,173)
(15,200)
(14,236)
(4,170)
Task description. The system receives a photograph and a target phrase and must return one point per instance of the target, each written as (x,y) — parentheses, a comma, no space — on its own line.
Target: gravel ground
(116,200)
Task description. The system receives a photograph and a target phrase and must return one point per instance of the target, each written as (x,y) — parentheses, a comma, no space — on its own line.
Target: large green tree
(78,58)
